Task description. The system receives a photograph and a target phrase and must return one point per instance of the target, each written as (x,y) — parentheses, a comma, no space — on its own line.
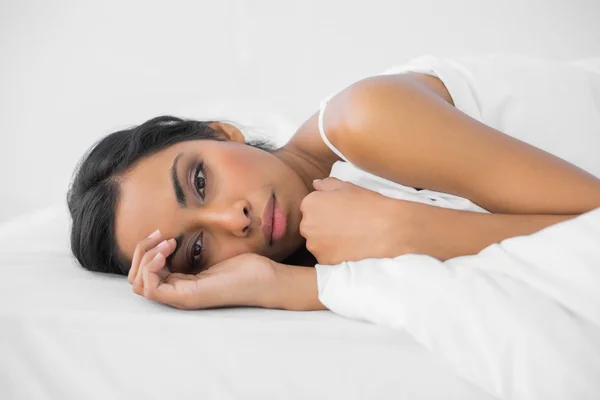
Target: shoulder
(354,108)
(361,108)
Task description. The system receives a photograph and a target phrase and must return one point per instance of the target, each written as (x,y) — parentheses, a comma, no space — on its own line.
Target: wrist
(295,289)
(402,225)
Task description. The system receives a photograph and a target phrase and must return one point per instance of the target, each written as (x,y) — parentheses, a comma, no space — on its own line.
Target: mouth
(274,221)
(267,220)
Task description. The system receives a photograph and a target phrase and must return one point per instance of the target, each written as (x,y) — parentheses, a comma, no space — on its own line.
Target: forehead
(147,201)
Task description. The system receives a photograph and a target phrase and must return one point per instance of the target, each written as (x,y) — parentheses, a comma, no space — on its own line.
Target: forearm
(296,289)
(446,233)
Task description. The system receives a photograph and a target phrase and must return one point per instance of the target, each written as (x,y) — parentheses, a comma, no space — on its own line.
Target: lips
(279,221)
(267,220)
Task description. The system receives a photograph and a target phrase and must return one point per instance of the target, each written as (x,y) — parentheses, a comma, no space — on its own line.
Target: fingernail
(154,234)
(316,181)
(162,244)
(157,255)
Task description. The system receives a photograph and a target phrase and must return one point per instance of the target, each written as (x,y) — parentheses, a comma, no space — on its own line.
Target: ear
(230,131)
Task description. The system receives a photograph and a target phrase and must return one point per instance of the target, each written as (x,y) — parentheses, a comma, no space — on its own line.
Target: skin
(401,127)
(239,182)
(384,126)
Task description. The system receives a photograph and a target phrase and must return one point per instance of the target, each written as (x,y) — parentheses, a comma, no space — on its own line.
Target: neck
(305,166)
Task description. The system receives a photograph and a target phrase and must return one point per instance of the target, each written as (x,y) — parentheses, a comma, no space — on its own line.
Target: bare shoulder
(405,84)
(349,109)
(354,108)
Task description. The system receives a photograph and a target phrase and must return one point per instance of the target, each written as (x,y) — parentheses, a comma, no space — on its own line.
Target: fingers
(155,260)
(166,247)
(185,291)
(169,291)
(140,249)
(233,282)
(155,265)
(329,183)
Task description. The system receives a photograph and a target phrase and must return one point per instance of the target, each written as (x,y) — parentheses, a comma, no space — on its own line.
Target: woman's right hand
(244,280)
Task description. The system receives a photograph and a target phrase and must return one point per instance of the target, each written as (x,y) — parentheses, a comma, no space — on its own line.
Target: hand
(244,280)
(345,222)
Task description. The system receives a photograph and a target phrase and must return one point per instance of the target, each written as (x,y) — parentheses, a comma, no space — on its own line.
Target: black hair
(94,192)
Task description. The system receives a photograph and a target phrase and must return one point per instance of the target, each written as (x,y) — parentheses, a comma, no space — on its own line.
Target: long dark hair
(94,191)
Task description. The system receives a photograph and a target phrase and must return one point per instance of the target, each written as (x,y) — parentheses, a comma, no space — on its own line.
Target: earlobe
(231,132)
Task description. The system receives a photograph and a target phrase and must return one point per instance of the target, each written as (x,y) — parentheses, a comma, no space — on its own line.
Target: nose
(232,218)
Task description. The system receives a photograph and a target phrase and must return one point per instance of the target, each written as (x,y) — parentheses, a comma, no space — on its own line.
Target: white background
(74,71)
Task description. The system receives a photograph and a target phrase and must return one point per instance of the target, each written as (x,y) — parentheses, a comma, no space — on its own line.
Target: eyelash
(195,259)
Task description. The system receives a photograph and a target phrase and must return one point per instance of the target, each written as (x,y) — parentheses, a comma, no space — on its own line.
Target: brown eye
(197,249)
(200,180)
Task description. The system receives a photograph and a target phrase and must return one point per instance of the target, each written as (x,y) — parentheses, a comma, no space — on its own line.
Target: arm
(407,131)
(244,280)
(446,233)
(296,289)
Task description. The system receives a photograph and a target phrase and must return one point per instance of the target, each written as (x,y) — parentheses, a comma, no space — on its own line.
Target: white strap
(322,131)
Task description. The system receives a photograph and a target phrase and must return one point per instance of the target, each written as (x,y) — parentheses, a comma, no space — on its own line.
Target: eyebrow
(179,194)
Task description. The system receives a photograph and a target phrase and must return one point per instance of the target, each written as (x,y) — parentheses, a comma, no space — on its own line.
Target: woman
(199,219)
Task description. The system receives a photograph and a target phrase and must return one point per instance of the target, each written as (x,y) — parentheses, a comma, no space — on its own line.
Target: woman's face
(216,213)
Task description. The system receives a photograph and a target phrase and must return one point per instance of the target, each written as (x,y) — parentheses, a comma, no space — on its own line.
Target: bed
(67,333)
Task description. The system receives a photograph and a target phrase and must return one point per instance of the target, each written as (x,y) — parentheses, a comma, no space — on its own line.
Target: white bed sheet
(66,333)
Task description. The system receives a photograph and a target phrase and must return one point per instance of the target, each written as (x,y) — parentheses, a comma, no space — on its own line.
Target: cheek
(228,249)
(246,164)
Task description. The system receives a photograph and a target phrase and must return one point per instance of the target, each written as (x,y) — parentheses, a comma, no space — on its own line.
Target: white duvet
(520,319)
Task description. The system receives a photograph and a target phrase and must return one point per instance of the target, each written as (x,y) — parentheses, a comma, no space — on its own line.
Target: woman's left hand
(345,222)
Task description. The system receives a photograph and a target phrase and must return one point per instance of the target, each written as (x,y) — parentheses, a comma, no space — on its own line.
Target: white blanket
(521,319)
